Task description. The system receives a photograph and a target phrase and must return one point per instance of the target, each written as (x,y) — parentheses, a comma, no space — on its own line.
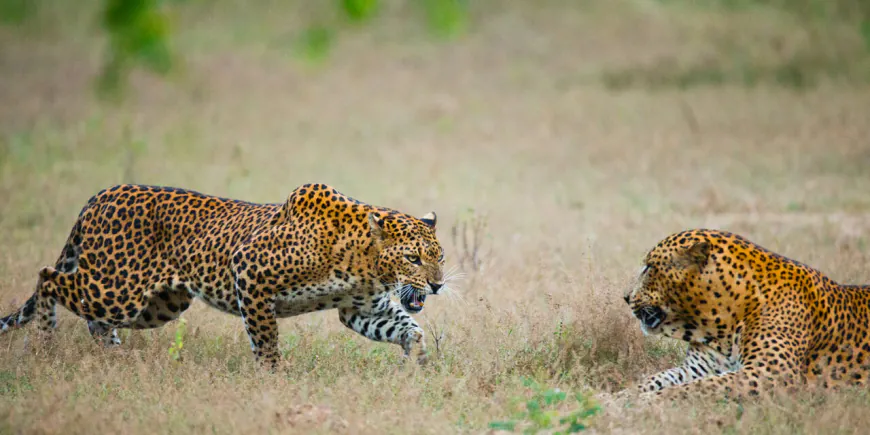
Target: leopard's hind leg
(102,305)
(68,262)
(53,287)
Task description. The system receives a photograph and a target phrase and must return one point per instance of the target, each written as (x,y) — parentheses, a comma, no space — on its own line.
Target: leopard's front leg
(385,320)
(257,308)
(700,362)
(261,326)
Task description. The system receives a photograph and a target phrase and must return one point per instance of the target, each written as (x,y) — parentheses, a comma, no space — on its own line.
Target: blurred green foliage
(359,10)
(16,11)
(444,18)
(447,18)
(825,51)
(139,33)
(315,42)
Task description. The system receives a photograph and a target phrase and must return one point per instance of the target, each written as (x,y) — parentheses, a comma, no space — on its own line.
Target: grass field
(534,136)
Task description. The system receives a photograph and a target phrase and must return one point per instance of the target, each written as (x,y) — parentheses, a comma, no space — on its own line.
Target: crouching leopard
(137,256)
(755,321)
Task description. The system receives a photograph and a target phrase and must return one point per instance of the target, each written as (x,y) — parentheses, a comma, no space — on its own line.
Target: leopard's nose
(435,287)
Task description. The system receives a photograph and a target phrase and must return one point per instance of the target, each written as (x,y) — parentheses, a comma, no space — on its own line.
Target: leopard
(139,255)
(756,323)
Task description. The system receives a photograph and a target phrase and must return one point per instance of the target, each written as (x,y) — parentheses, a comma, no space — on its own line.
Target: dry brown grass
(576,183)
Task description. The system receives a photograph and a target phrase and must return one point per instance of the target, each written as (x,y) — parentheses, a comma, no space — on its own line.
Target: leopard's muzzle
(650,317)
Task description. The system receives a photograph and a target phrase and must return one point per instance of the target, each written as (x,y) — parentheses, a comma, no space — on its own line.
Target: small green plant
(178,344)
(542,412)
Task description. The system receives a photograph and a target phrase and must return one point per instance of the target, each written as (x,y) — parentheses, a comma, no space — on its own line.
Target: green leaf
(576,427)
(530,383)
(541,416)
(503,425)
(119,14)
(359,10)
(589,412)
(554,396)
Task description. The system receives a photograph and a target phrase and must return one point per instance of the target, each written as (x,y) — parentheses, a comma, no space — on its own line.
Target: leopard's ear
(695,255)
(376,226)
(430,219)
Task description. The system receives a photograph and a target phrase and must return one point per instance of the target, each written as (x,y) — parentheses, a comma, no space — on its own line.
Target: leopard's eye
(441,257)
(413,259)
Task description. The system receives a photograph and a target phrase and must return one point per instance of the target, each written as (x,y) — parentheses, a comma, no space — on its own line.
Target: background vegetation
(558,141)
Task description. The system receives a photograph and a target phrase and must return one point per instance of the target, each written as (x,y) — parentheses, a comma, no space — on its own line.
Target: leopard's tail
(67,262)
(20,317)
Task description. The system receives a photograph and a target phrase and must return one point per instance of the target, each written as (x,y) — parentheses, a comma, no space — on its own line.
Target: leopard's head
(410,259)
(671,295)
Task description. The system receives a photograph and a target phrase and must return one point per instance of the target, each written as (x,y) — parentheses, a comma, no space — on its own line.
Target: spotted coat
(138,255)
(755,321)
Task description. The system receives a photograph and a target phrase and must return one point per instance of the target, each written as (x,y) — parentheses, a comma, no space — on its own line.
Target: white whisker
(453,295)
(454,275)
(405,291)
(394,287)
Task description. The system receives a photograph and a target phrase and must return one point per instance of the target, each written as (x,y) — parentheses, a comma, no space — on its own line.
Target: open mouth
(413,301)
(650,317)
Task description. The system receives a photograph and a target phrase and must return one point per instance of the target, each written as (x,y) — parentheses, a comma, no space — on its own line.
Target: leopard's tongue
(418,301)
